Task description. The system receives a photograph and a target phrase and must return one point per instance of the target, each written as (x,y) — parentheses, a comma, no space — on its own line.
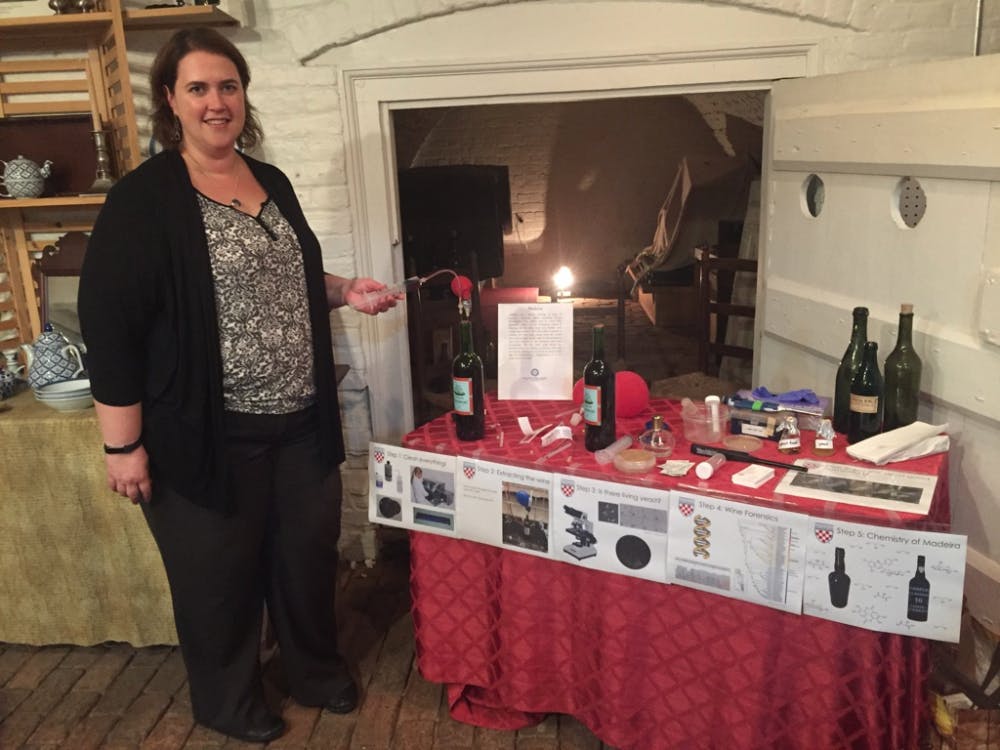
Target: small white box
(753,476)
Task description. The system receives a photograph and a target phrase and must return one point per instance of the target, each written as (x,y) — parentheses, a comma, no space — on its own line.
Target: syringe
(370,300)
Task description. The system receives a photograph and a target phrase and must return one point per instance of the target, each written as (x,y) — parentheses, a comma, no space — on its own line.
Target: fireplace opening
(580,185)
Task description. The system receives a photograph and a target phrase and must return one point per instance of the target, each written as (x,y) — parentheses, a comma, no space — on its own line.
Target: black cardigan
(148,318)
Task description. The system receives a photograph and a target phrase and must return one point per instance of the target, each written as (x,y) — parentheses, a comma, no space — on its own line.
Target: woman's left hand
(368,296)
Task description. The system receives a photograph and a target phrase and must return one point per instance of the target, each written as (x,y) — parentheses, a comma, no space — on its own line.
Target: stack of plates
(66,395)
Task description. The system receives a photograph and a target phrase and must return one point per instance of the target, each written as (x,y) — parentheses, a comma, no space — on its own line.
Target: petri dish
(745,443)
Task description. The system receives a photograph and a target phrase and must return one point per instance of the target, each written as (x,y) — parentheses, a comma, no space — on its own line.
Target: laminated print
(505,506)
(886,579)
(747,552)
(411,489)
(618,528)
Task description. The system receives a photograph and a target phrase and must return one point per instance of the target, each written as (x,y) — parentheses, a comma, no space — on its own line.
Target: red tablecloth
(646,665)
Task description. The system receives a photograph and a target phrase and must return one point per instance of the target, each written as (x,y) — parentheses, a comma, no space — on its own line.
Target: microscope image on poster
(582,529)
(526,516)
(434,488)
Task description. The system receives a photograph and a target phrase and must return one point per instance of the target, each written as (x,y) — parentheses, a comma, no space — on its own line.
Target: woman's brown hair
(163,78)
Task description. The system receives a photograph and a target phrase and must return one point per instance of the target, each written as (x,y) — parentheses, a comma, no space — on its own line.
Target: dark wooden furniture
(715,278)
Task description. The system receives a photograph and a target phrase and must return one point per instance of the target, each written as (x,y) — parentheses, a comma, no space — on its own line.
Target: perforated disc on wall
(911,202)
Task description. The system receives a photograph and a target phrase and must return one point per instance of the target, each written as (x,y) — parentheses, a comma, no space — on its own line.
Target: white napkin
(914,440)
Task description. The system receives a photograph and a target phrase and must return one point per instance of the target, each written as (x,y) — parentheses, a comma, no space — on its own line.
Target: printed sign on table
(411,489)
(505,506)
(619,528)
(741,551)
(886,579)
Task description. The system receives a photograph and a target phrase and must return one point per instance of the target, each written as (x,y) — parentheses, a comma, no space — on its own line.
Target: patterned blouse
(263,311)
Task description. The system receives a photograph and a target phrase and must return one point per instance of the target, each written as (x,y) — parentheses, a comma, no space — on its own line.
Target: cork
(906,308)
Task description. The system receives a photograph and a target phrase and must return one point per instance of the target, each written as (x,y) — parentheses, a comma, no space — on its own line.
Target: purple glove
(801,396)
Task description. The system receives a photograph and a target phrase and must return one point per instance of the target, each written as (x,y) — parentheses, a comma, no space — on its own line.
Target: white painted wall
(299,49)
(861,133)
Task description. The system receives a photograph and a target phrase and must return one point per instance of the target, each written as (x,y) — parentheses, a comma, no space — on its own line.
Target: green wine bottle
(867,390)
(467,388)
(902,375)
(598,397)
(849,365)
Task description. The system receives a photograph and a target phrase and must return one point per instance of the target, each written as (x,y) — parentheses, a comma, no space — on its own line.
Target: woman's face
(209,101)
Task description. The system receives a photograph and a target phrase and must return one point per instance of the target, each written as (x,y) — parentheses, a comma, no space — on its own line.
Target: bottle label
(789,444)
(592,405)
(461,389)
(864,404)
(824,444)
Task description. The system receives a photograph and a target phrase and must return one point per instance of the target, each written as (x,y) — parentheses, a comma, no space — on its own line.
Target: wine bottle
(920,594)
(902,375)
(849,365)
(840,582)
(467,388)
(598,397)
(867,390)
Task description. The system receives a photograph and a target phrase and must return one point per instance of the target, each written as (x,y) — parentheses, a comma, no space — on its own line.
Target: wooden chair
(715,280)
(64,258)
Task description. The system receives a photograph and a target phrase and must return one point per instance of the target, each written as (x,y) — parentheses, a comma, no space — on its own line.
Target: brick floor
(115,697)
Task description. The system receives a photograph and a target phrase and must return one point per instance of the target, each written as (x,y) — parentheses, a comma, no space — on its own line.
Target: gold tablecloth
(77,562)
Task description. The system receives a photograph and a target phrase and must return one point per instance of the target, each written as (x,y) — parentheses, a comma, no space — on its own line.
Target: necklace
(234,201)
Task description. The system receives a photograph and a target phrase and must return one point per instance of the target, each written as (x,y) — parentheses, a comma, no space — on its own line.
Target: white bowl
(63,388)
(70,404)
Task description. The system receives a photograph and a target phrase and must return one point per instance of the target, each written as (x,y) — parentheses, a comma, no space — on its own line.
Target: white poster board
(742,551)
(535,352)
(411,489)
(505,506)
(618,528)
(878,586)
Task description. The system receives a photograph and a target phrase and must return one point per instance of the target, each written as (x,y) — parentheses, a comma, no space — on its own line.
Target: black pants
(279,546)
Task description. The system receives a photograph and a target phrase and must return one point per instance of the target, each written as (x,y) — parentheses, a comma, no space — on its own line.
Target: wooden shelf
(143,19)
(78,27)
(62,201)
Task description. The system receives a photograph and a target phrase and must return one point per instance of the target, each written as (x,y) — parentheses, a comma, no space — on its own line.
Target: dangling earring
(177,129)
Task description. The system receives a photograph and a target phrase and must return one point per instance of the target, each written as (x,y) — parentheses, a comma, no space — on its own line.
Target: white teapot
(23,178)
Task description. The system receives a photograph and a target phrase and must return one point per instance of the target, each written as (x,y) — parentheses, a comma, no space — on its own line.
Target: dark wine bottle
(840,582)
(598,397)
(849,365)
(867,390)
(902,375)
(920,594)
(467,388)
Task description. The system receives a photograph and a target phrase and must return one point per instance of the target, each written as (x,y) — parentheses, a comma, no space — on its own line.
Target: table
(78,564)
(648,666)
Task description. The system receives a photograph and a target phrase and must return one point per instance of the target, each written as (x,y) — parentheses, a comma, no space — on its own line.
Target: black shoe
(264,729)
(345,701)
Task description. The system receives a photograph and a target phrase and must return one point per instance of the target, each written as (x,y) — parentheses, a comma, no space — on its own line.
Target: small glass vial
(823,445)
(791,438)
(658,440)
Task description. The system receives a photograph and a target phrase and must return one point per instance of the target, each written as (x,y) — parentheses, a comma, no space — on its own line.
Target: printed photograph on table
(738,550)
(886,579)
(525,516)
(505,506)
(411,489)
(608,526)
(861,485)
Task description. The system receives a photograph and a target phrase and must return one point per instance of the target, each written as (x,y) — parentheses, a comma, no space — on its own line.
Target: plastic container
(606,455)
(635,461)
(699,425)
(707,468)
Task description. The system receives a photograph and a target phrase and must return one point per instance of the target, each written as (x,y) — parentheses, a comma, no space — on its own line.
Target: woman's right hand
(128,475)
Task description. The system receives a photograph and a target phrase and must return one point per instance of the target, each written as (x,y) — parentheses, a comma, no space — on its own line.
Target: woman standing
(205,311)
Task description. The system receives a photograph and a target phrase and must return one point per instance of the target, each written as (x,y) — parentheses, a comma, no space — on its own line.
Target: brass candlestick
(104,180)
